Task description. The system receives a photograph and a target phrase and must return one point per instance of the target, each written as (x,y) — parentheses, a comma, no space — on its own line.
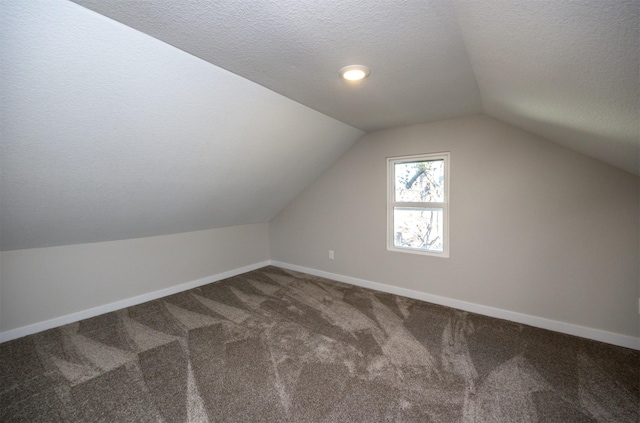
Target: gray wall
(535,228)
(40,284)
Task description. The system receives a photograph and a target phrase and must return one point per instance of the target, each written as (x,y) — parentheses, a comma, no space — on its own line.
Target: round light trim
(354,72)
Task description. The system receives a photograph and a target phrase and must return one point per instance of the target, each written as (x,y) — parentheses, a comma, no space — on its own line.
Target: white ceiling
(565,70)
(420,68)
(108,133)
(568,71)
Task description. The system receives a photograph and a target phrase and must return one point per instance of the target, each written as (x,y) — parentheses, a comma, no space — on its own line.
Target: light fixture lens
(354,72)
(353,75)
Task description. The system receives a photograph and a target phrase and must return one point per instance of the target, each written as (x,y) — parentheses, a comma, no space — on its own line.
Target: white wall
(65,283)
(536,229)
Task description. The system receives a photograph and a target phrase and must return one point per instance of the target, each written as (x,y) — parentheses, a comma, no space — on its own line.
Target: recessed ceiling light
(354,72)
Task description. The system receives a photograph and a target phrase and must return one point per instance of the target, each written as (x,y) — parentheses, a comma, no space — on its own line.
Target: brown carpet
(278,346)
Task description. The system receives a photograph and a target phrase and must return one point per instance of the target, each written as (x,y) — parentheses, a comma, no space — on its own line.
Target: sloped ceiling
(420,67)
(108,133)
(564,70)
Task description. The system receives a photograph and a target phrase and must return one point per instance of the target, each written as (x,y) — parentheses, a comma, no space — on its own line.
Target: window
(418,204)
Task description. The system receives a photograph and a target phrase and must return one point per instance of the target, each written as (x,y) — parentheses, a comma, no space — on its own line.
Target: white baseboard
(539,322)
(128,302)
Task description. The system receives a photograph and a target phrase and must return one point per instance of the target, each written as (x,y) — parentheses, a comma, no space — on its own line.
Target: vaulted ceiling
(564,70)
(123,119)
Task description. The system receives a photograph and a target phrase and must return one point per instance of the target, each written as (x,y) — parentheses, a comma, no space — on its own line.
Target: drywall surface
(535,228)
(48,283)
(110,134)
(564,70)
(297,47)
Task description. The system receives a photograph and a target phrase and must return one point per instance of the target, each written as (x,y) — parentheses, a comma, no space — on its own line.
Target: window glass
(417,205)
(420,181)
(419,228)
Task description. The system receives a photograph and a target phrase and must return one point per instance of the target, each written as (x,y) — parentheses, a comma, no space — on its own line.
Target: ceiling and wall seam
(466,49)
(111,134)
(131,119)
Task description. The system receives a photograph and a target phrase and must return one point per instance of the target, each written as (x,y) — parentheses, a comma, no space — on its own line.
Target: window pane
(420,229)
(421,181)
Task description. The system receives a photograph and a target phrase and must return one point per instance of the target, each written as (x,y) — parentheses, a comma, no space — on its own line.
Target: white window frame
(392,204)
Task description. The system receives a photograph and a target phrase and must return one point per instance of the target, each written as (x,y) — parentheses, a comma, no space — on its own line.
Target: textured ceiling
(108,133)
(420,69)
(565,70)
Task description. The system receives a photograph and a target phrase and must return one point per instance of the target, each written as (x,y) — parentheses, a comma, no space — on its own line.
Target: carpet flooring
(274,345)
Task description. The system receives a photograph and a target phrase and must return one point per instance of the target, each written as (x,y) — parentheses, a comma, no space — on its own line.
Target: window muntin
(418,204)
